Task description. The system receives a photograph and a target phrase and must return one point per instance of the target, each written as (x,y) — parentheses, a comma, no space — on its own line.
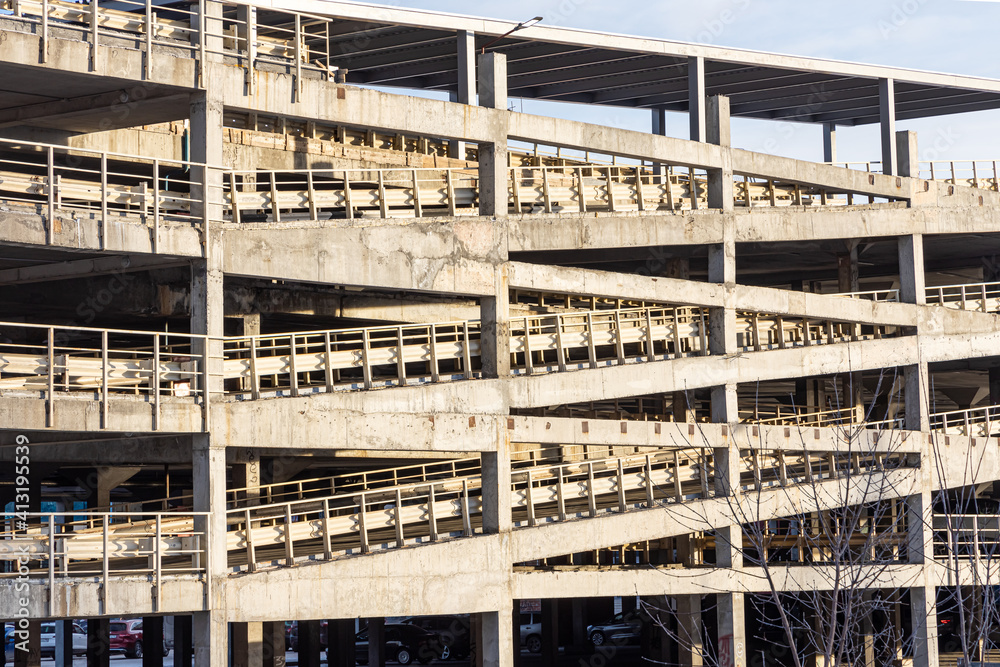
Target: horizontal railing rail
(983,297)
(970,173)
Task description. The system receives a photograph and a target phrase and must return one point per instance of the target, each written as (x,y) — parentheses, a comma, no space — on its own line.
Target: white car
(531,632)
(48,640)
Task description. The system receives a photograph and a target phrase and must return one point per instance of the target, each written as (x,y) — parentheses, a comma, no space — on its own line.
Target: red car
(126,636)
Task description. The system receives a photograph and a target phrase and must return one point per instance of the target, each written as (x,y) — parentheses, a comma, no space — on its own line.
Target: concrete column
(496,488)
(887,119)
(376,642)
(64,644)
(578,607)
(33,656)
(98,642)
(924,622)
(496,642)
(689,631)
(308,644)
(247,475)
(109,478)
(847,268)
(466,93)
(907,157)
(732,630)
(829,142)
(340,642)
(720,181)
(183,641)
(210,629)
(273,644)
(493,199)
(911,269)
(696,97)
(659,128)
(152,641)
(495,329)
(207,313)
(248,645)
(550,632)
(683,411)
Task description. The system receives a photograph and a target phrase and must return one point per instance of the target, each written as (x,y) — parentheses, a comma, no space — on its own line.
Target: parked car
(454,631)
(48,640)
(623,628)
(126,637)
(531,632)
(403,644)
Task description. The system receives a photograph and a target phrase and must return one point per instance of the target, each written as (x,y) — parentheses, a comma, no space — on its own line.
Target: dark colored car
(126,636)
(403,644)
(454,631)
(623,628)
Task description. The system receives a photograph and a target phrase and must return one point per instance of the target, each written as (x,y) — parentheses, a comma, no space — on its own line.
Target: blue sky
(955,36)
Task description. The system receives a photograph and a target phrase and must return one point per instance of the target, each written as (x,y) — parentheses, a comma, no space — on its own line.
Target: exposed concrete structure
(281,347)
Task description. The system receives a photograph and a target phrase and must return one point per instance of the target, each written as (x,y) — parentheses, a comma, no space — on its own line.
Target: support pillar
(829,142)
(33,656)
(493,170)
(248,645)
(696,98)
(550,632)
(340,651)
(152,642)
(907,157)
(376,642)
(466,94)
(308,644)
(718,132)
(496,642)
(911,269)
(732,630)
(273,644)
(210,629)
(98,642)
(64,644)
(183,641)
(495,328)
(690,649)
(887,120)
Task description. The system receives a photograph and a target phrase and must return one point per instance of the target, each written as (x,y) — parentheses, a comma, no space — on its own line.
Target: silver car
(48,640)
(531,632)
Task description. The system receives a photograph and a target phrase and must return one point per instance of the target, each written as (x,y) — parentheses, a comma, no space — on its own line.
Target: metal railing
(970,173)
(55,361)
(981,422)
(983,297)
(48,179)
(54,546)
(966,536)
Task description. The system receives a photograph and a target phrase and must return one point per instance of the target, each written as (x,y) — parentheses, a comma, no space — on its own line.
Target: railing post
(158,562)
(102,227)
(327,548)
(293,366)
(450,183)
(466,351)
(52,565)
(104,379)
(50,182)
(648,473)
(591,497)
(529,499)
(397,516)
(560,493)
(327,362)
(620,483)
(156,205)
(432,342)
(201,46)
(45,30)
(365,362)
(104,563)
(431,514)
(50,392)
(466,515)
(362,524)
(289,548)
(417,207)
(400,361)
(254,378)
(298,58)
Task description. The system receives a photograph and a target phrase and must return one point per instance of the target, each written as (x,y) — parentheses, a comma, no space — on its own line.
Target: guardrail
(983,297)
(47,179)
(981,422)
(155,366)
(54,361)
(966,536)
(970,173)
(54,546)
(270,196)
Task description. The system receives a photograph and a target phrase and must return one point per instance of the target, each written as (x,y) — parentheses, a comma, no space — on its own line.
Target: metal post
(50,393)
